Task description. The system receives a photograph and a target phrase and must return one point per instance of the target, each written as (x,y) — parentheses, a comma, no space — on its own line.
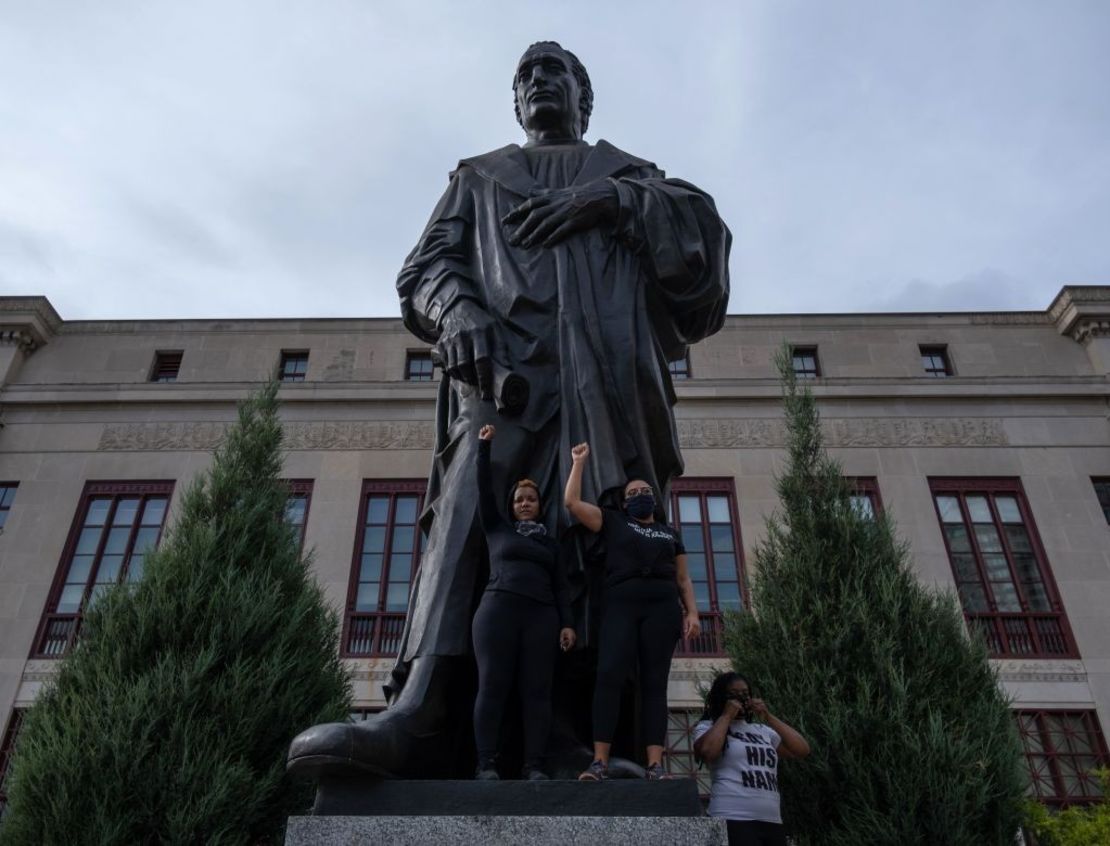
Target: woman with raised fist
(524,615)
(648,605)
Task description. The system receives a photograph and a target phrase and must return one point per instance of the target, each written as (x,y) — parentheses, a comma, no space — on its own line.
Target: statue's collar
(508,167)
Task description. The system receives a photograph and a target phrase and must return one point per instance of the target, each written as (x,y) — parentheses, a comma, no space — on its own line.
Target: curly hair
(585,90)
(718,694)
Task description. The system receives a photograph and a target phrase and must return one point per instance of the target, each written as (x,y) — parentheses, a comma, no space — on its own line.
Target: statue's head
(551,88)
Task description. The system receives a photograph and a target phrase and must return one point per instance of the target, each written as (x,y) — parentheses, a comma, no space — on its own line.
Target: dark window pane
(400,568)
(155,511)
(728,595)
(724,566)
(402,538)
(98,512)
(377,512)
(957,537)
(397,597)
(406,509)
(718,509)
(974,598)
(70,600)
(689,509)
(367,599)
(695,565)
(692,538)
(949,507)
(374,539)
(79,569)
(371,569)
(721,538)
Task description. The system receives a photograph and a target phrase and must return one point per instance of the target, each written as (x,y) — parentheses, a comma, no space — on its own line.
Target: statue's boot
(404,741)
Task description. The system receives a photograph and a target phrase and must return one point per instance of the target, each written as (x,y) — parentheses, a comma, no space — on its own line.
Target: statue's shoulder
(508,165)
(615,152)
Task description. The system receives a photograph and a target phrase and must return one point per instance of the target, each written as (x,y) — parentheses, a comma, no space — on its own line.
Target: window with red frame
(1002,575)
(705,514)
(387,555)
(7,497)
(117,523)
(678,754)
(680,369)
(865,495)
(1062,749)
(7,746)
(296,507)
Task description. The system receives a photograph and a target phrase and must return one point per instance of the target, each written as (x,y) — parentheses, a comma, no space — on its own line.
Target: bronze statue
(555,280)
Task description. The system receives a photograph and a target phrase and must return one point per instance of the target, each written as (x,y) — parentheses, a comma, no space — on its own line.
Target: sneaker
(656,773)
(533,773)
(596,771)
(487,771)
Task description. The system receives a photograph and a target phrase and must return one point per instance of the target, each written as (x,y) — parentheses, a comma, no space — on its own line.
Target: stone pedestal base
(504,831)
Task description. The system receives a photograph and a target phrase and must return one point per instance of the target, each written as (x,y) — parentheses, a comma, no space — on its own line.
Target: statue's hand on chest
(551,216)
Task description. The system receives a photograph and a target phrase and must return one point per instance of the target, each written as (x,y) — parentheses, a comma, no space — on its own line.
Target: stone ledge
(504,831)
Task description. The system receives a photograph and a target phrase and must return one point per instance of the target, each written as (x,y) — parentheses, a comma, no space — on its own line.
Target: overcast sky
(267,159)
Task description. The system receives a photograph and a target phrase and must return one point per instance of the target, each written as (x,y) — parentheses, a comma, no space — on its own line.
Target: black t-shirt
(635,550)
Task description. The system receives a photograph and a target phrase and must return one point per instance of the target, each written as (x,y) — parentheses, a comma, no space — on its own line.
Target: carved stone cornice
(27,322)
(1082,312)
(1052,672)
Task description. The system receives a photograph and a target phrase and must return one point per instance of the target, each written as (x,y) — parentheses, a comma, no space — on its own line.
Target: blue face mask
(640,506)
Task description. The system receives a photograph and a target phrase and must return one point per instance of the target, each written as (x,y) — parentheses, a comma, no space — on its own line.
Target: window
(294,365)
(7,746)
(387,554)
(680,369)
(1002,575)
(678,754)
(865,495)
(296,507)
(1061,750)
(805,363)
(1102,491)
(7,496)
(704,512)
(116,524)
(935,361)
(418,366)
(166,366)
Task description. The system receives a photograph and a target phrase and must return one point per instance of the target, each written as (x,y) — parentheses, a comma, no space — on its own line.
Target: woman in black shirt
(645,572)
(524,613)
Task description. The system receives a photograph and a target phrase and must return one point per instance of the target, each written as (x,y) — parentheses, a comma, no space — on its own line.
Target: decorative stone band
(726,433)
(738,433)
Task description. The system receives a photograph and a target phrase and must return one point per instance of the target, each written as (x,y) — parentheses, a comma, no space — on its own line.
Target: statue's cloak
(591,323)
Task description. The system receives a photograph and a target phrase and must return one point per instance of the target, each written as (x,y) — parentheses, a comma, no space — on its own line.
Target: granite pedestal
(355,811)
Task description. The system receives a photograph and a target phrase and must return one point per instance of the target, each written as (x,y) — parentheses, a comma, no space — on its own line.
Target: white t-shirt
(746,776)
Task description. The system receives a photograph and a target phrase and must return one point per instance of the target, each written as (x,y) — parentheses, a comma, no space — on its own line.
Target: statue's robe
(591,323)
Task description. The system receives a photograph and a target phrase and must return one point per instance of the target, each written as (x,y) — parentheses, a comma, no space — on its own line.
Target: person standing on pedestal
(641,621)
(579,271)
(524,612)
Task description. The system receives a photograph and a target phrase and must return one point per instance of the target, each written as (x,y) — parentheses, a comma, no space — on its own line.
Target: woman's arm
(588,514)
(487,504)
(691,623)
(792,744)
(711,745)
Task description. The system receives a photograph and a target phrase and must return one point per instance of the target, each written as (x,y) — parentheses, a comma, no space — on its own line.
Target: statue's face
(547,91)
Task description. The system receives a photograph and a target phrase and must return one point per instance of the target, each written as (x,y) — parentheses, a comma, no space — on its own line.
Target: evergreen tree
(170,719)
(913,741)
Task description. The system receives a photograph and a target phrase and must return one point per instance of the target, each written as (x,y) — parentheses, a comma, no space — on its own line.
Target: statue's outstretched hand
(552,215)
(468,344)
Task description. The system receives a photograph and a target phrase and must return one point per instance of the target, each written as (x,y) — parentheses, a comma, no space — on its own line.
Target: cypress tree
(913,741)
(170,719)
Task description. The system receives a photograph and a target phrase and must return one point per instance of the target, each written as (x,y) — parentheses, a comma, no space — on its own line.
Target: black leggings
(514,637)
(755,833)
(640,618)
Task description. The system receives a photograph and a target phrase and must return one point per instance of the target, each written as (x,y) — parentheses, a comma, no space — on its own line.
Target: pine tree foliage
(170,720)
(913,741)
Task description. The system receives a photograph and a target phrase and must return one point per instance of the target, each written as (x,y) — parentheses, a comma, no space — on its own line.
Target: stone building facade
(986,435)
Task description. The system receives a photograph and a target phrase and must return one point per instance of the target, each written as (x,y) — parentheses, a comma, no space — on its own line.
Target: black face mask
(640,506)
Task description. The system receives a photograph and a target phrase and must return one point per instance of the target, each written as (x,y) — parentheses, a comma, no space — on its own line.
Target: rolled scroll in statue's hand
(510,391)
